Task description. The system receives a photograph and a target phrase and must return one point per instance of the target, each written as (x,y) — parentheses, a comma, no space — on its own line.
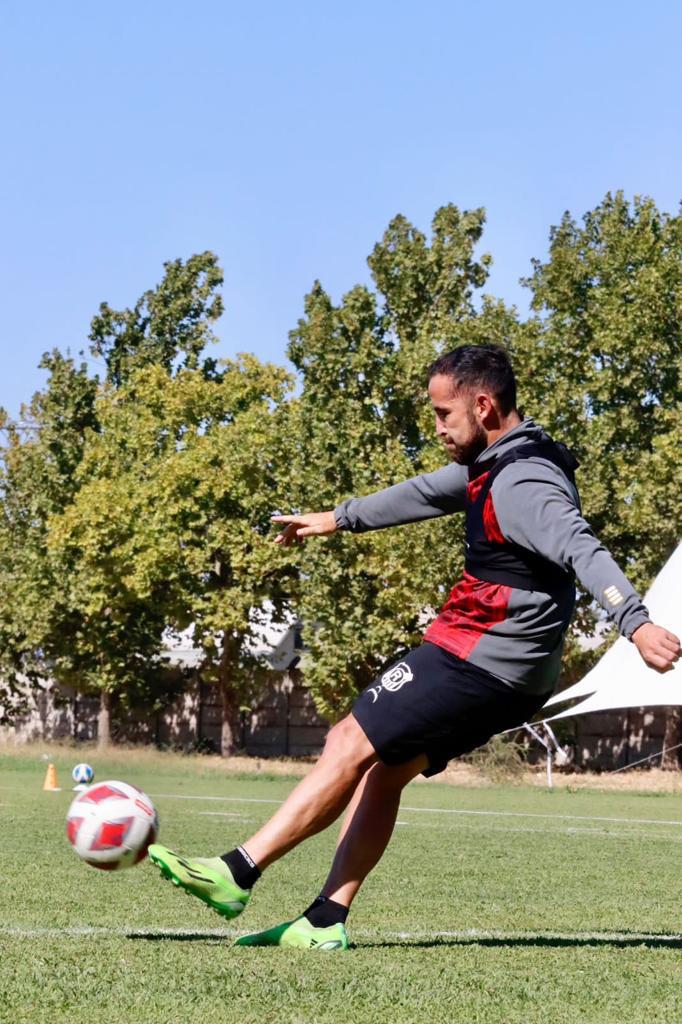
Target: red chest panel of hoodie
(476,604)
(471,609)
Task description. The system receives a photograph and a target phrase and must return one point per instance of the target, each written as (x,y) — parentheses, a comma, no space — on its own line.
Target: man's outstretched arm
(422,497)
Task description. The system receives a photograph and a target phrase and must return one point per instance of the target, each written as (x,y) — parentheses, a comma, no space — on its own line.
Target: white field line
(584,833)
(536,814)
(467,934)
(476,934)
(568,830)
(88,931)
(447,810)
(230,799)
(601,833)
(220,814)
(224,814)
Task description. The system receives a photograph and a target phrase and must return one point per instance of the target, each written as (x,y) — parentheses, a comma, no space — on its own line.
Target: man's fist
(658,648)
(311,524)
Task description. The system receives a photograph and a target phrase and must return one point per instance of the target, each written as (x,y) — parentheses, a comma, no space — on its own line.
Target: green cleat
(299,934)
(210,879)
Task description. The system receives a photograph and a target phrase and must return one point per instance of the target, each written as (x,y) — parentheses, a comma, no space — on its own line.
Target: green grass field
(501,904)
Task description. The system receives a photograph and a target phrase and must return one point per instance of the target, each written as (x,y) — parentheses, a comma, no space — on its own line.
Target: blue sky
(285,136)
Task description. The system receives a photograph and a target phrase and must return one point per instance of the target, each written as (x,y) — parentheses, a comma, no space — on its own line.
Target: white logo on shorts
(397,676)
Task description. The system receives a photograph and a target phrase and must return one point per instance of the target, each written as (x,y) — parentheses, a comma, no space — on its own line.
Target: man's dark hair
(479,366)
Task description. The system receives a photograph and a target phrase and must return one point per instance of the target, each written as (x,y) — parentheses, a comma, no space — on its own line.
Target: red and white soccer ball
(111,824)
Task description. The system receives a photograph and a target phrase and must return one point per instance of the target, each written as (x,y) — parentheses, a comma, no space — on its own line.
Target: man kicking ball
(488,662)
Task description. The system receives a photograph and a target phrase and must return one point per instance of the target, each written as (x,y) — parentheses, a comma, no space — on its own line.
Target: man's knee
(347,744)
(397,776)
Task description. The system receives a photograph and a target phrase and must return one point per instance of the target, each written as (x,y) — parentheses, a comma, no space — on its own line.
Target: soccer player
(488,662)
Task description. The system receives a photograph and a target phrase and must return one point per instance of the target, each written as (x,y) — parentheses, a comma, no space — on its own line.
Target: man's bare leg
(319,798)
(368,826)
(224,883)
(365,833)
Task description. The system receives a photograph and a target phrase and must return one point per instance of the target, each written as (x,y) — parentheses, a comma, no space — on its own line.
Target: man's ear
(485,410)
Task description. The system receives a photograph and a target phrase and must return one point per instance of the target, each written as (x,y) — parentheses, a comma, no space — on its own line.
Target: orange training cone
(50,783)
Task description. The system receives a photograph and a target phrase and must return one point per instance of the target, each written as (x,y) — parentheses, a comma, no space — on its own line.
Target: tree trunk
(230,731)
(230,727)
(104,720)
(673,735)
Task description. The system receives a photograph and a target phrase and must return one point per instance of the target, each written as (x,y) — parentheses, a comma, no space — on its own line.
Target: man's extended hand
(311,524)
(658,648)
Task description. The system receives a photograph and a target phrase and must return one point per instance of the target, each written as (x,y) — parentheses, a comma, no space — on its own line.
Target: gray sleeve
(422,497)
(538,508)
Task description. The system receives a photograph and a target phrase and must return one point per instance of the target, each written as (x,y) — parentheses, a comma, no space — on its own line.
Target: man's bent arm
(537,508)
(422,497)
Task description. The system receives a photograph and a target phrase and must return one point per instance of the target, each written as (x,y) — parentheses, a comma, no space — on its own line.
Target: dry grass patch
(642,780)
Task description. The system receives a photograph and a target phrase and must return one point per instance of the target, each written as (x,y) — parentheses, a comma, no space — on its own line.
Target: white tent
(620,679)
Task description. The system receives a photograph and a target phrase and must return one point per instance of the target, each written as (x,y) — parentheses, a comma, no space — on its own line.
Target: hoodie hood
(527,430)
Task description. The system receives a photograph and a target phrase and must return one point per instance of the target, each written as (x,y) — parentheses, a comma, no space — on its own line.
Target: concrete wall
(614,739)
(283,722)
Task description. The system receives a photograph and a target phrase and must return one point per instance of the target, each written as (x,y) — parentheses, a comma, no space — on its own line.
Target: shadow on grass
(623,941)
(542,941)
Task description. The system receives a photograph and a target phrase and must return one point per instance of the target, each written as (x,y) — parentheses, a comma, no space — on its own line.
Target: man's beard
(467,453)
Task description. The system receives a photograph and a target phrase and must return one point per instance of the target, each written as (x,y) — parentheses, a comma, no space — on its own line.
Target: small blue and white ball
(83,774)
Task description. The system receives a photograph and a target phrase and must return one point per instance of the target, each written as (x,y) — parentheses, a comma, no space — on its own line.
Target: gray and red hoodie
(526,542)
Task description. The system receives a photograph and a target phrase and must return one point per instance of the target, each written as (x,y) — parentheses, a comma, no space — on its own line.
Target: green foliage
(40,456)
(361,423)
(63,616)
(168,324)
(601,363)
(186,463)
(599,366)
(141,504)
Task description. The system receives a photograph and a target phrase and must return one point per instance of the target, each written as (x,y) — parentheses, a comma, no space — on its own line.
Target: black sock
(244,871)
(322,912)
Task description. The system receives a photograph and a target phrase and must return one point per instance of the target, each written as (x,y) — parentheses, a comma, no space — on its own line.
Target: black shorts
(431,702)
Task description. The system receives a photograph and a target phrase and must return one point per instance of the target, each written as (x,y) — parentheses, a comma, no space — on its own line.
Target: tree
(362,423)
(169,326)
(189,464)
(52,625)
(38,461)
(599,365)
